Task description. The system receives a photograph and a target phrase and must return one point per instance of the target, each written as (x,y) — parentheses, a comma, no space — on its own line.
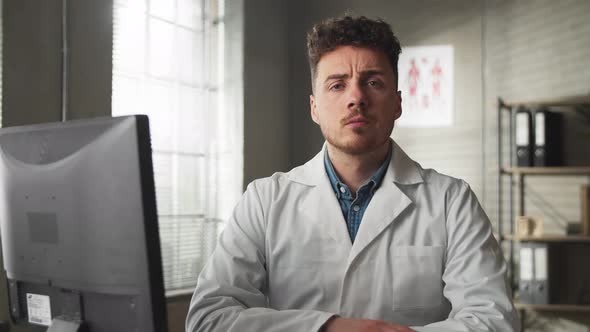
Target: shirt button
(342,190)
(356,208)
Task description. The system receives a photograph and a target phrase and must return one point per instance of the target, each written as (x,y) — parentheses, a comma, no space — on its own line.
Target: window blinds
(168,63)
(1,42)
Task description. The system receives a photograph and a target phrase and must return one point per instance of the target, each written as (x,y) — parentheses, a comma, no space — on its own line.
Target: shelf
(558,102)
(554,307)
(558,244)
(549,238)
(546,170)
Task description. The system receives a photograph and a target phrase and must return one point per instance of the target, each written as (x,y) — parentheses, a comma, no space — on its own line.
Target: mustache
(356,113)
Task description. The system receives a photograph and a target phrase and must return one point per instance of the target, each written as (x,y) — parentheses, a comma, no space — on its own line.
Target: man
(360,238)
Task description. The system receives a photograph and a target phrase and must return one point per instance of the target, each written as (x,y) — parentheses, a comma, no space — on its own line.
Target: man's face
(355,99)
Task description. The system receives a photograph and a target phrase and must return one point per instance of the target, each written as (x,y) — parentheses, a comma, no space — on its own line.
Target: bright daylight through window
(168,63)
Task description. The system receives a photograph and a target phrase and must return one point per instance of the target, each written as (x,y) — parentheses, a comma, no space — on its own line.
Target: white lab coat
(424,256)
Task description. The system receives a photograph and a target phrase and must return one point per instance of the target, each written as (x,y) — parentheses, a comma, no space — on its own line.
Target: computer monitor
(79,227)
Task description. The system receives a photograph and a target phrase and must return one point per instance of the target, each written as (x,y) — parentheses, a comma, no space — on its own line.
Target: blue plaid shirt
(354,208)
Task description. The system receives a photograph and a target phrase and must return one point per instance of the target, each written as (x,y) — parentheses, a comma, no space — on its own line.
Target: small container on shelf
(527,226)
(573,228)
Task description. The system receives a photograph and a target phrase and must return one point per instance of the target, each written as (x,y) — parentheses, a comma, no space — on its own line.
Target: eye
(374,83)
(336,87)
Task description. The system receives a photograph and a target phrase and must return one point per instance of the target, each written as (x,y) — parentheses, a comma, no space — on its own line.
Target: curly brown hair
(359,31)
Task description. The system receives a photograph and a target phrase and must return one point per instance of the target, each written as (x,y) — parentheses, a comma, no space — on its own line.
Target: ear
(314,113)
(398,106)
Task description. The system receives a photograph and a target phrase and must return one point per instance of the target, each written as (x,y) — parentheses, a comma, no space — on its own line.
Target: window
(1,42)
(168,63)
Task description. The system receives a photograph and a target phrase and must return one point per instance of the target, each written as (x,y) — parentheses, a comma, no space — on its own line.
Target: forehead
(349,59)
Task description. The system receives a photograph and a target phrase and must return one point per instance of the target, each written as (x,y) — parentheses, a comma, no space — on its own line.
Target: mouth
(357,121)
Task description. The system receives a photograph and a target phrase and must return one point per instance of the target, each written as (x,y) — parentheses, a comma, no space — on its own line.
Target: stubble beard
(362,143)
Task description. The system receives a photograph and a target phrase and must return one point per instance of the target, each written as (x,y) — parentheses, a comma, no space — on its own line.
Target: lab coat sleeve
(475,271)
(229,296)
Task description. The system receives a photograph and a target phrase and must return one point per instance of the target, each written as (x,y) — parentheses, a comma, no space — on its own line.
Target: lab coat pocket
(417,276)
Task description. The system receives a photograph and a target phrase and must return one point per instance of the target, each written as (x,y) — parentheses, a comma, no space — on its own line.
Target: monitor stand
(61,325)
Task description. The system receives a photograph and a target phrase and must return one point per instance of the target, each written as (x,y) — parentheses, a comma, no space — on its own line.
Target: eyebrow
(335,77)
(372,73)
(364,74)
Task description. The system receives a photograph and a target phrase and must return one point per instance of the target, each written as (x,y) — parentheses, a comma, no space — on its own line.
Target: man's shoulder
(269,181)
(281,180)
(441,181)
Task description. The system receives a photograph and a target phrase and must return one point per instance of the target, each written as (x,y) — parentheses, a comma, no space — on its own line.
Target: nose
(357,97)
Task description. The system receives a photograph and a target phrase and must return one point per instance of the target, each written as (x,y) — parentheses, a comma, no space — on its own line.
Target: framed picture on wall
(426,82)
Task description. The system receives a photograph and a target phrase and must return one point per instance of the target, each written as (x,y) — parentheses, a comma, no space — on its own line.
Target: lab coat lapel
(385,207)
(320,205)
(389,201)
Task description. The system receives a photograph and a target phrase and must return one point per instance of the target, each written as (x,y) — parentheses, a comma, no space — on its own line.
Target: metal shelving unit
(549,238)
(546,170)
(517,177)
(554,307)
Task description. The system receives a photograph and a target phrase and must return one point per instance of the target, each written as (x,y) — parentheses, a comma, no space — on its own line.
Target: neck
(354,170)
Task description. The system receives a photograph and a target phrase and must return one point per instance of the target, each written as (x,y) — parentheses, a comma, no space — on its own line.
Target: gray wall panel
(90,35)
(266,89)
(31,62)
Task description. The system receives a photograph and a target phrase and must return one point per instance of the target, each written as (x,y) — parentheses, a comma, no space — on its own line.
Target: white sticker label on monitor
(39,309)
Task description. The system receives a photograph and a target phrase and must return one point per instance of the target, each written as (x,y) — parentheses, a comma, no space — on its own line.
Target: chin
(355,146)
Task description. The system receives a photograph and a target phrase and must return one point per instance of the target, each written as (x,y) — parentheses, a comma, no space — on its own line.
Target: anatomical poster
(426,82)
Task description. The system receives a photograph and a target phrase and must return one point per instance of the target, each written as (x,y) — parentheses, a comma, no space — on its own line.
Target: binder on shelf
(525,284)
(541,283)
(524,137)
(585,213)
(534,283)
(548,147)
